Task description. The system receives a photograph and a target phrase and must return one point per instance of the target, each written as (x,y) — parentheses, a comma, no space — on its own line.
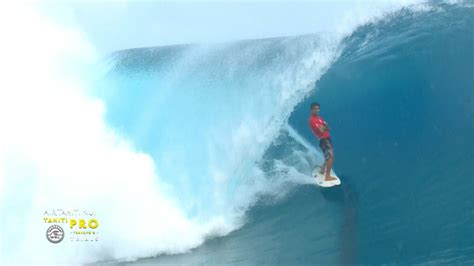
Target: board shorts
(326,146)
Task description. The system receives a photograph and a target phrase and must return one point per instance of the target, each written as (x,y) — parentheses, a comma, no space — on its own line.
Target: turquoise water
(399,96)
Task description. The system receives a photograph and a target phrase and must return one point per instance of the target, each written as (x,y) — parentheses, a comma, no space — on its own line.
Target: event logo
(80,225)
(55,234)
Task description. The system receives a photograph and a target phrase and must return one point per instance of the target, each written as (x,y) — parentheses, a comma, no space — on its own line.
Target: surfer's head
(315,108)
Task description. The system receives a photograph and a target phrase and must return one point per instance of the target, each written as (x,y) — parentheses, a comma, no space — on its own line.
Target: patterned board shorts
(326,147)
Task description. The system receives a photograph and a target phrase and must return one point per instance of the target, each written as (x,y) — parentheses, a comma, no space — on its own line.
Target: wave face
(400,100)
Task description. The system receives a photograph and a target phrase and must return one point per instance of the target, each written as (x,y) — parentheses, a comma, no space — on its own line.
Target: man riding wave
(321,130)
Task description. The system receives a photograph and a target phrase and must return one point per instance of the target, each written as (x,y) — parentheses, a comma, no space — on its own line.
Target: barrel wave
(399,95)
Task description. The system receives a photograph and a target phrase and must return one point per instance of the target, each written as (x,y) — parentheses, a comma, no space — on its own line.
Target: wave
(381,96)
(180,140)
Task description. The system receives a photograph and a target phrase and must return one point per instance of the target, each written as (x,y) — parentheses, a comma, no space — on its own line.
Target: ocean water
(399,96)
(201,154)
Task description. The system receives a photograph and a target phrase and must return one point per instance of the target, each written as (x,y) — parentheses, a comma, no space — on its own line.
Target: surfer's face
(315,110)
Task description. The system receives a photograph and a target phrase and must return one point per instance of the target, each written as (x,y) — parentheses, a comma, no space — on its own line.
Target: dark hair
(313,104)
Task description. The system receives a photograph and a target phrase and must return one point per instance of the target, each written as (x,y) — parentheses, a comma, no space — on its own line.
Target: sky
(117,25)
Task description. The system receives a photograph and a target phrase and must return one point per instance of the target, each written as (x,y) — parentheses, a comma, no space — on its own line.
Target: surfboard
(319,179)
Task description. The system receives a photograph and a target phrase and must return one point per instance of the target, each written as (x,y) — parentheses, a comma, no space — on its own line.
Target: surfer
(321,130)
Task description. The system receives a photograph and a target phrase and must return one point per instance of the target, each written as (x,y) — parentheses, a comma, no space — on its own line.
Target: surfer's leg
(329,154)
(323,167)
(323,147)
(329,164)
(322,170)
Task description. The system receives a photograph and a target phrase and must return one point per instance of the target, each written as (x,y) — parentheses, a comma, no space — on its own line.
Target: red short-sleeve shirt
(314,123)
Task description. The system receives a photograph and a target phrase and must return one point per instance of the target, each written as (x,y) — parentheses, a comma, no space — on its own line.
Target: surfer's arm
(322,128)
(319,127)
(325,126)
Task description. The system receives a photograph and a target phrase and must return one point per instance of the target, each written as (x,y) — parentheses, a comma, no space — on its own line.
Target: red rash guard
(314,123)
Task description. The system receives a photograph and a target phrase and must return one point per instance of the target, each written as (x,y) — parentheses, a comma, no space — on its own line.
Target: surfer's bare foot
(330,178)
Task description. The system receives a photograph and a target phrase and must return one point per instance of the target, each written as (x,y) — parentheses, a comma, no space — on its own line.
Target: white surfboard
(320,179)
